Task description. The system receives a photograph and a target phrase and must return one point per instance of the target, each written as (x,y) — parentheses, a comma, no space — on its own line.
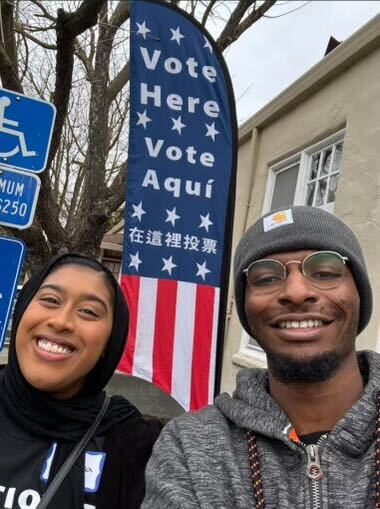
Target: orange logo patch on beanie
(280,218)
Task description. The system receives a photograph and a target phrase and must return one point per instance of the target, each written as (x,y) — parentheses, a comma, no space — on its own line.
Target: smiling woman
(69,329)
(65,329)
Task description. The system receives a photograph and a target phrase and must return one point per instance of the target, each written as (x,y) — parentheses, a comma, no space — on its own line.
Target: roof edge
(359,43)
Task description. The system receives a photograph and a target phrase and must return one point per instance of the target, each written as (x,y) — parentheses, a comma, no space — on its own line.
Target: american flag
(181,174)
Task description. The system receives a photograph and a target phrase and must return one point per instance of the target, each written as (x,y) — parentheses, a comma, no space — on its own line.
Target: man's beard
(316,369)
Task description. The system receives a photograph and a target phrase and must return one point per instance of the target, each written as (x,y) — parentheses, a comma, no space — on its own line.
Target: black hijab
(66,421)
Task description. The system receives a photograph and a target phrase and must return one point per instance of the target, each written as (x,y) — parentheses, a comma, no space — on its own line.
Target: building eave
(112,247)
(345,55)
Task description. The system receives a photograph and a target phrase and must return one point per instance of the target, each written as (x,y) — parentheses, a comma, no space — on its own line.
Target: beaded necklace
(256,473)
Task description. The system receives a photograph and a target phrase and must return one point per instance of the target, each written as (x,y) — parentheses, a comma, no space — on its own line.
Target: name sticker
(94,463)
(47,465)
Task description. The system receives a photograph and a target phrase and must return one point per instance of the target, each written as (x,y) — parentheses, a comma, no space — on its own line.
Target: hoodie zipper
(314,472)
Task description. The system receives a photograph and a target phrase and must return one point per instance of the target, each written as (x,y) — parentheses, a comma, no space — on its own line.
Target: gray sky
(276,51)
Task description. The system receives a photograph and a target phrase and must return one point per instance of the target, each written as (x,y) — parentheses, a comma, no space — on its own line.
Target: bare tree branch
(9,77)
(84,17)
(38,248)
(25,58)
(234,29)
(118,83)
(116,195)
(19,29)
(45,12)
(32,29)
(92,46)
(241,8)
(8,56)
(81,54)
(69,25)
(207,12)
(120,14)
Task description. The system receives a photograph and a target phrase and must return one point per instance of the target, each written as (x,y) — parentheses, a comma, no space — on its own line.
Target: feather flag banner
(179,204)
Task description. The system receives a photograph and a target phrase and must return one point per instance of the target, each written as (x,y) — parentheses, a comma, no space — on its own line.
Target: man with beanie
(305,433)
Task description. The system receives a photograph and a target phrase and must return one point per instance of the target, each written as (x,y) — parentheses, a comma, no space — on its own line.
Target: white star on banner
(138,211)
(172,216)
(135,261)
(202,270)
(168,265)
(178,125)
(143,119)
(205,222)
(142,29)
(211,131)
(207,44)
(177,36)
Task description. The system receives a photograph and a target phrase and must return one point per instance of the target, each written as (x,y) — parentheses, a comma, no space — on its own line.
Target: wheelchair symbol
(4,102)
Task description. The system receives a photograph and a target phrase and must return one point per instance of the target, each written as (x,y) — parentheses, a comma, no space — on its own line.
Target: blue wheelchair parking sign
(26,127)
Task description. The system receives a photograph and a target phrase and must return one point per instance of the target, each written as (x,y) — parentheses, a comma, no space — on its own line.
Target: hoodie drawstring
(256,472)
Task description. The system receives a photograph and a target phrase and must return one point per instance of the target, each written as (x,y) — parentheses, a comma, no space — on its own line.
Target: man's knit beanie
(298,228)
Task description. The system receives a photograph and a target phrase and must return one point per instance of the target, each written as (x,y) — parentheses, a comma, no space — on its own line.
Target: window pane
(321,192)
(337,156)
(314,165)
(333,185)
(284,188)
(326,162)
(252,343)
(310,194)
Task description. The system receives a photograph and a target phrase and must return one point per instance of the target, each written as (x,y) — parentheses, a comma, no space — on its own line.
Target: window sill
(249,360)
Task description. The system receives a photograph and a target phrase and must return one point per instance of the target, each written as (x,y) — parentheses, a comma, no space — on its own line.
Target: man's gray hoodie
(201,459)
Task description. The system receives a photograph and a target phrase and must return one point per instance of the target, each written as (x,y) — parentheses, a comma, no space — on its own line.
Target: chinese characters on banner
(179,203)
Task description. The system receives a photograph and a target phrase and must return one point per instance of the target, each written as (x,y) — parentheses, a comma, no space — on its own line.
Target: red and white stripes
(172,337)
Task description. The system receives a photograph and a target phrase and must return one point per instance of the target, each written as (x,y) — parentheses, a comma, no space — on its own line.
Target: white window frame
(301,189)
(273,171)
(304,159)
(254,352)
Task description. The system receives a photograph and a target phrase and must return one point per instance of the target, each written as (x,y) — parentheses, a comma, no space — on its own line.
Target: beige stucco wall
(350,100)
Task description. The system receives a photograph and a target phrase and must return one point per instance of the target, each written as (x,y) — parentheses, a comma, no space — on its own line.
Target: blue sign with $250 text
(18,198)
